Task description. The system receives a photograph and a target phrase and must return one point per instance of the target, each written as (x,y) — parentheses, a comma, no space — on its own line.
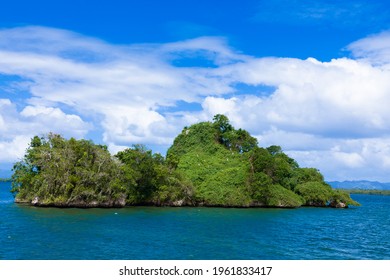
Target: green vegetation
(61,172)
(209,163)
(227,167)
(149,180)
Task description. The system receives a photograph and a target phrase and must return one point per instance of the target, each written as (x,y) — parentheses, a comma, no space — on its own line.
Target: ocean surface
(140,233)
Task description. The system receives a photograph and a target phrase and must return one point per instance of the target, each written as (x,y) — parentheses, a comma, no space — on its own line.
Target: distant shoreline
(364,191)
(5,180)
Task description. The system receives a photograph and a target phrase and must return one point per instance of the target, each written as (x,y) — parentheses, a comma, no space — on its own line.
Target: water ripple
(195,233)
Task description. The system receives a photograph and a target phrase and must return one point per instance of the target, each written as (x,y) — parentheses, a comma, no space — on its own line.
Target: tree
(140,165)
(274,150)
(315,193)
(153,180)
(304,175)
(222,123)
(261,161)
(57,171)
(235,140)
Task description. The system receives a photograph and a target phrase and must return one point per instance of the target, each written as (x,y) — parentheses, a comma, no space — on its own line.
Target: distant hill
(363,184)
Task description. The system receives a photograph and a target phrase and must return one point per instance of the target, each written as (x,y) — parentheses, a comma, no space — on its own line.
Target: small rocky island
(209,164)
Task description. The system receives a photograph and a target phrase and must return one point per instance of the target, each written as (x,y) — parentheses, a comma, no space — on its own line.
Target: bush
(315,193)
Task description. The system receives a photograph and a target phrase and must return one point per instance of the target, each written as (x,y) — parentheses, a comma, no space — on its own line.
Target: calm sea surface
(195,233)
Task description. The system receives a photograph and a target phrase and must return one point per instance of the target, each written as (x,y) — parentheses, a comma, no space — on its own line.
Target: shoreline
(167,205)
(368,192)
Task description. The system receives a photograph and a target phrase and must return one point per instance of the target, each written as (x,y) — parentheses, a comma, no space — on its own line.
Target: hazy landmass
(362,184)
(5,179)
(365,191)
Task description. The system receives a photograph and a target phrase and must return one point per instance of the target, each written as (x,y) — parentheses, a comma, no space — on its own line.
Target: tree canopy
(209,163)
(67,172)
(227,166)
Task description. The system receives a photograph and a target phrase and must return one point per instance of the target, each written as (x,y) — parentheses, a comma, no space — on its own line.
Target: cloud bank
(332,115)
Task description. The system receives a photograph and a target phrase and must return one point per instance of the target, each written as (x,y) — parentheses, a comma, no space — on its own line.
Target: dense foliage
(61,172)
(209,163)
(150,180)
(227,167)
(56,171)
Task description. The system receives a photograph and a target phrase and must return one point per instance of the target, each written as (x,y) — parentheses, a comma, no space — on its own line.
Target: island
(5,179)
(209,164)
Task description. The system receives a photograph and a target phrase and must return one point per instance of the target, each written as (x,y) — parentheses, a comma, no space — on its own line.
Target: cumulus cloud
(331,115)
(44,118)
(374,49)
(18,127)
(313,97)
(119,84)
(359,159)
(14,149)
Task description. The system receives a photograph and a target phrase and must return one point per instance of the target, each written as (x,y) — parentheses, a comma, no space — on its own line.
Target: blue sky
(311,76)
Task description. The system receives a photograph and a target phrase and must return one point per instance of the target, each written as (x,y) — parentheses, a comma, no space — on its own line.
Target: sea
(164,233)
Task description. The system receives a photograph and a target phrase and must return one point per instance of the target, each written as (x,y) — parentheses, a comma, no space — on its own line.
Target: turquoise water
(195,233)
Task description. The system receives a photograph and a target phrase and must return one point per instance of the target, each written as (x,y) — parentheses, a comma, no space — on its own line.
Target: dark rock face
(118,203)
(121,202)
(315,204)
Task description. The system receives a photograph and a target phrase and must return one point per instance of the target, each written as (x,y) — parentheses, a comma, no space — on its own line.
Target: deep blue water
(195,233)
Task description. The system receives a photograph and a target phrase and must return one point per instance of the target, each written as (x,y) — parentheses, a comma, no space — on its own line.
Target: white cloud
(338,97)
(214,49)
(4,103)
(127,124)
(349,159)
(123,88)
(213,106)
(17,128)
(331,115)
(14,149)
(374,49)
(54,119)
(360,159)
